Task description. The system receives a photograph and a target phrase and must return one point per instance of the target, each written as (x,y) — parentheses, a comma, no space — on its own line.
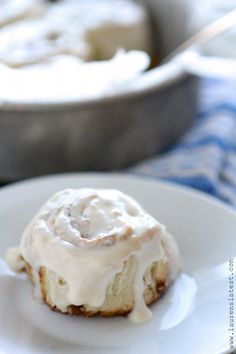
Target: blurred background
(92,86)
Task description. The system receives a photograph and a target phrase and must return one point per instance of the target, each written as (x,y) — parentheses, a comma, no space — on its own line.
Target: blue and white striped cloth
(205,157)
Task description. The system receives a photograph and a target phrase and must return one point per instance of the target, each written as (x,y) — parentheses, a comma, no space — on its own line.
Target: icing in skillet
(86,235)
(89,48)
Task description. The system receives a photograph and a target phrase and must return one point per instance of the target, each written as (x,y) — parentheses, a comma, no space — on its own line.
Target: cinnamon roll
(97,252)
(88,30)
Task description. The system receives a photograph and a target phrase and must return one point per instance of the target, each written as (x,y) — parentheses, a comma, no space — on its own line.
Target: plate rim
(129,176)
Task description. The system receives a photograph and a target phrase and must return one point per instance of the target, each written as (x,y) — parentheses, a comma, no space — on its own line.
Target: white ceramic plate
(192,318)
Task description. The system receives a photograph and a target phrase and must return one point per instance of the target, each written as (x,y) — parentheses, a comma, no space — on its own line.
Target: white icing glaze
(90,79)
(63,47)
(34,41)
(15,10)
(14,259)
(84,236)
(90,30)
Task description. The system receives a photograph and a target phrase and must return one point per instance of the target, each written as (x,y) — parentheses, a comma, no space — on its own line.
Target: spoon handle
(207,34)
